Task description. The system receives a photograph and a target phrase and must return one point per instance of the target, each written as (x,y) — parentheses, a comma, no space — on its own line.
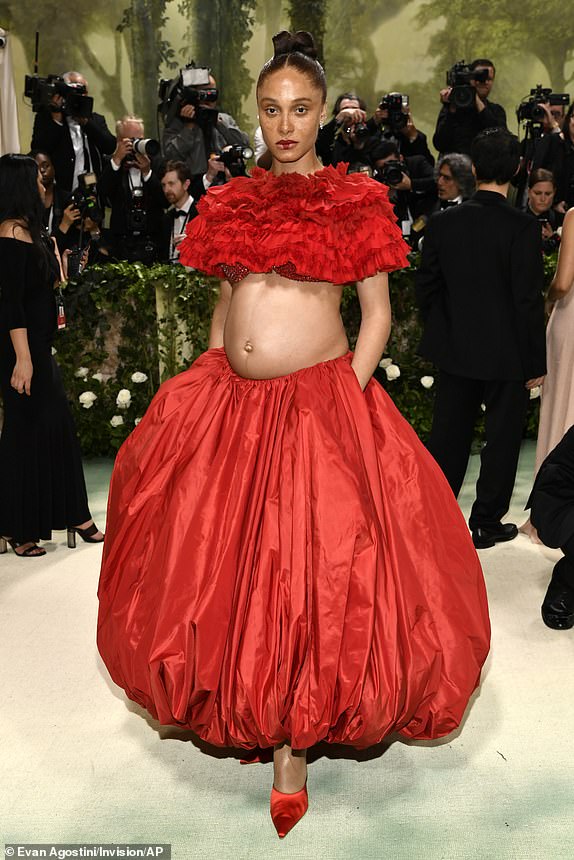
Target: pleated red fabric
(285,561)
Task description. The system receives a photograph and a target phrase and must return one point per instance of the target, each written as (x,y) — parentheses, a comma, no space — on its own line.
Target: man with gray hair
(455,180)
(131,186)
(75,144)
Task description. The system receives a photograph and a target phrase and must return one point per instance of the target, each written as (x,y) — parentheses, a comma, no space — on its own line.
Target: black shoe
(487,536)
(558,605)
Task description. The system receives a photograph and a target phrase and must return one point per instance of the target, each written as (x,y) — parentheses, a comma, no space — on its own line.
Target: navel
(248,346)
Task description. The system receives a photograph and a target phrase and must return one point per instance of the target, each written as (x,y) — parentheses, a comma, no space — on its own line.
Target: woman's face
(540,197)
(290,110)
(571,127)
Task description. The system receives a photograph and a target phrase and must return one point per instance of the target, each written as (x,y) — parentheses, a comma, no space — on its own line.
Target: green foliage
(309,15)
(503,28)
(114,330)
(220,33)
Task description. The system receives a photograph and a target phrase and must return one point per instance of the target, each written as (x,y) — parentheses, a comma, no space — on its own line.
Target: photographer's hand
(350,116)
(409,131)
(479,104)
(445,99)
(144,164)
(187,113)
(123,148)
(69,217)
(214,166)
(405,184)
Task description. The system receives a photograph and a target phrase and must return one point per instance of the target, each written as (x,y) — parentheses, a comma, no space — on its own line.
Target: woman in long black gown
(42,482)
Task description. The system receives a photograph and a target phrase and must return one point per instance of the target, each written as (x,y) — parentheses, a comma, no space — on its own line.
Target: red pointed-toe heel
(288,809)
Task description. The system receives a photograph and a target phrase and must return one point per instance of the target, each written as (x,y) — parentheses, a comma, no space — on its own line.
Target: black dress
(42,486)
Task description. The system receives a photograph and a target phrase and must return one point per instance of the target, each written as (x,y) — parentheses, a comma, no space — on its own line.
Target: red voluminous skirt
(284,560)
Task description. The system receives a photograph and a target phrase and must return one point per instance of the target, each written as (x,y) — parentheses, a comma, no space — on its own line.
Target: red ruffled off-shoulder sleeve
(326,226)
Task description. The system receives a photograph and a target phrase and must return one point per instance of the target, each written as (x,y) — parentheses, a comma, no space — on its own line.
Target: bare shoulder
(568,223)
(11,229)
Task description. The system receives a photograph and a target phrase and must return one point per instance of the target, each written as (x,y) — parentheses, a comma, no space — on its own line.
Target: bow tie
(446,203)
(179,213)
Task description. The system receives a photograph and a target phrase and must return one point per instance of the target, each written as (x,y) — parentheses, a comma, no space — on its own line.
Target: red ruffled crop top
(325,226)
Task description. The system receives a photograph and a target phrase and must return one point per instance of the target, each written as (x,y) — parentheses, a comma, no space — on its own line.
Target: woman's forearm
(19,338)
(220,315)
(373,335)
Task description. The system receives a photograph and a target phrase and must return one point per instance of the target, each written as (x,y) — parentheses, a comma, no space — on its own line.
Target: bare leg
(289,769)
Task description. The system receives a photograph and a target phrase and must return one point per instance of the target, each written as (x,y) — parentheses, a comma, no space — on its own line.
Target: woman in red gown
(284,561)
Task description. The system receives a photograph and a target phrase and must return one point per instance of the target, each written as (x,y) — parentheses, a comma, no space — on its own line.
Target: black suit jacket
(479,288)
(552,497)
(455,132)
(115,188)
(167,227)
(55,139)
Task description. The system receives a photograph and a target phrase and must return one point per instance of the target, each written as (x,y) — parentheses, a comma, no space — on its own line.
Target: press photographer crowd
(151,186)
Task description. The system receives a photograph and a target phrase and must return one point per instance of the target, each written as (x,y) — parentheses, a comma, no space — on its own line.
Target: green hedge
(114,330)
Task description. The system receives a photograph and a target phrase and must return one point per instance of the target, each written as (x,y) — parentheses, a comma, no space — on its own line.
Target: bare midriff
(275,325)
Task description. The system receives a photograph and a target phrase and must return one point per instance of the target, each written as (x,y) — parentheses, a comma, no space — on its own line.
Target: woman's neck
(309,163)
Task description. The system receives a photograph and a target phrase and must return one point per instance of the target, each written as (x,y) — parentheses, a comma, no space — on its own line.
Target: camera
(460,78)
(3,39)
(191,87)
(530,110)
(85,197)
(394,104)
(392,172)
(360,130)
(234,158)
(142,146)
(41,90)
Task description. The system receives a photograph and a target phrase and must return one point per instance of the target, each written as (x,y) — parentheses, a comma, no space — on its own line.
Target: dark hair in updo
(296,50)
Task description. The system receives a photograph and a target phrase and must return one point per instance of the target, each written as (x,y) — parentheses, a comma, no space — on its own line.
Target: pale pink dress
(557,407)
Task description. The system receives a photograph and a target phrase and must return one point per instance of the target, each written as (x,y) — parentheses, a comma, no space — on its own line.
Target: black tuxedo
(55,139)
(167,229)
(479,288)
(116,189)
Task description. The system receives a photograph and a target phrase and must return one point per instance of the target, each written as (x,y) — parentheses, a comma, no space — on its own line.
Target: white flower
(483,407)
(82,373)
(393,371)
(385,362)
(87,399)
(54,351)
(139,377)
(535,392)
(427,381)
(116,421)
(137,421)
(124,398)
(99,377)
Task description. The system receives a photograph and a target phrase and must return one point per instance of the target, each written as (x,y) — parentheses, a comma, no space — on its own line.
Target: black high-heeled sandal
(33,551)
(86,534)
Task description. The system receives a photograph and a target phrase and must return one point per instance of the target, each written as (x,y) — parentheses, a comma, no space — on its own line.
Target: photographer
(411,183)
(196,130)
(348,109)
(542,115)
(60,212)
(133,190)
(541,191)
(466,109)
(393,121)
(76,144)
(556,153)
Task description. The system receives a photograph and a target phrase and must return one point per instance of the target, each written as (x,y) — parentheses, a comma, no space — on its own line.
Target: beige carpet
(81,764)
